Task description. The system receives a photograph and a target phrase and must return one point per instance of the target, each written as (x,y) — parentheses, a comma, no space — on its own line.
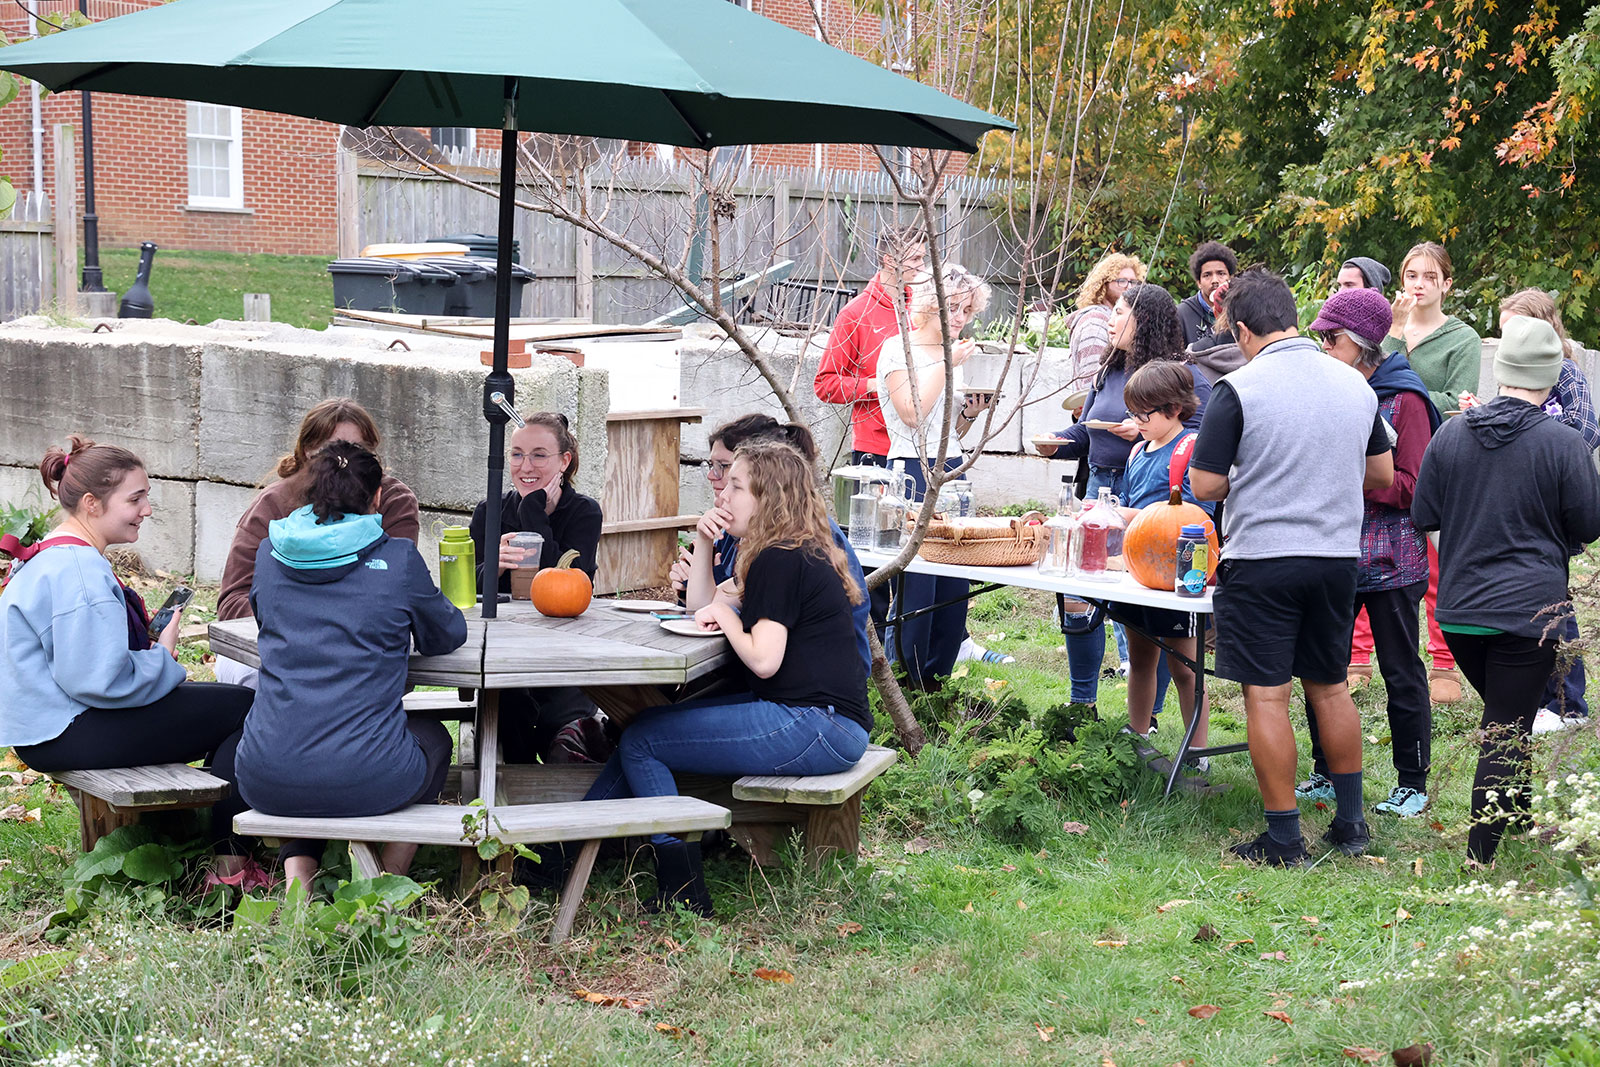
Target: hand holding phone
(175,603)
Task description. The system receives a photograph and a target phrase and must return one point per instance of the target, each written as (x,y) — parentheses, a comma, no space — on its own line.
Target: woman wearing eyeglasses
(541,500)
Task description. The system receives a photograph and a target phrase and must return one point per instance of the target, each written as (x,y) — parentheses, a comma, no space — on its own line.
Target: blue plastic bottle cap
(1193,530)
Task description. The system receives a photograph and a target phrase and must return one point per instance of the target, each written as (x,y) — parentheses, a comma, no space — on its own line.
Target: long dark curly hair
(1157,332)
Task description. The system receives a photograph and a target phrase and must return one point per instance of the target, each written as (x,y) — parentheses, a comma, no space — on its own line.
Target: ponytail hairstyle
(318,427)
(755,427)
(566,440)
(85,469)
(342,479)
(790,512)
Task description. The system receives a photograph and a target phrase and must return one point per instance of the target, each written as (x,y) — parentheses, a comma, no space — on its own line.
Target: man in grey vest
(1290,440)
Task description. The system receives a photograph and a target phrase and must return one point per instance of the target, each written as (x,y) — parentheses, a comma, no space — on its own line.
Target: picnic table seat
(118,796)
(766,809)
(463,825)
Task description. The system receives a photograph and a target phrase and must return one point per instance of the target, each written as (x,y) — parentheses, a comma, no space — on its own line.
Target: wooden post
(583,276)
(99,305)
(780,217)
(952,226)
(348,198)
(66,216)
(258,307)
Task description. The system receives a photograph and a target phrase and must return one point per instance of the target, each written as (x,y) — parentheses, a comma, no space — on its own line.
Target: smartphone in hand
(175,603)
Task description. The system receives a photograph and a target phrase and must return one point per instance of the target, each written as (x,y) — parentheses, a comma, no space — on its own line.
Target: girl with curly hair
(805,711)
(1097,296)
(1144,328)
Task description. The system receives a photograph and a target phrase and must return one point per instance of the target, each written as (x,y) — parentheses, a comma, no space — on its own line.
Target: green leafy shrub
(138,866)
(364,923)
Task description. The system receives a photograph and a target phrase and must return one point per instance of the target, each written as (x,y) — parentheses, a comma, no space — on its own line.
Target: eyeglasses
(1122,282)
(533,457)
(716,469)
(1142,417)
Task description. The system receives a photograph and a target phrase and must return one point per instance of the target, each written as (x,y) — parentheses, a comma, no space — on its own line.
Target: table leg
(487,732)
(1199,702)
(572,892)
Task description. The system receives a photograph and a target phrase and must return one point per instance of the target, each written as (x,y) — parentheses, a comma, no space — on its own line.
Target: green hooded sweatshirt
(1448,360)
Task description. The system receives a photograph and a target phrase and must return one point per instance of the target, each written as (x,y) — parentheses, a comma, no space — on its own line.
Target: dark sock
(1284,826)
(1347,797)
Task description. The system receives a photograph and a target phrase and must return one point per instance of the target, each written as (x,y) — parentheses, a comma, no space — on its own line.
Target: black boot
(679,878)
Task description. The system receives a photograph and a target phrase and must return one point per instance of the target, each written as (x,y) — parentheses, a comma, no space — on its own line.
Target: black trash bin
(481,245)
(474,293)
(410,287)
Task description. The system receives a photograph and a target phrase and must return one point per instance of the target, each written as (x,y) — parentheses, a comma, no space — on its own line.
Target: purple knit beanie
(1362,311)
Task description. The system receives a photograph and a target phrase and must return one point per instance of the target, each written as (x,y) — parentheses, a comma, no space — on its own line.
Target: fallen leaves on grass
(918,845)
(1171,904)
(1400,915)
(1379,860)
(17,813)
(1413,1055)
(1178,978)
(1275,955)
(1282,1017)
(1436,826)
(1207,932)
(1204,1011)
(1045,1032)
(1008,867)
(612,1000)
(1110,944)
(21,777)
(1362,1053)
(846,929)
(768,974)
(968,908)
(677,1033)
(1311,919)
(1416,867)
(1075,827)
(1023,905)
(1231,945)
(994,685)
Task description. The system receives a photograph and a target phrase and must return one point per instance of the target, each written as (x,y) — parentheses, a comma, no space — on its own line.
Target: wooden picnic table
(623,660)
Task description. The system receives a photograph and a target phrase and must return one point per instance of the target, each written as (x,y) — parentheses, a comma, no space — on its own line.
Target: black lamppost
(93,282)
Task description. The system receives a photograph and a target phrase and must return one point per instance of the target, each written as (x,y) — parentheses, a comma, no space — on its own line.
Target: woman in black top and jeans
(806,709)
(541,500)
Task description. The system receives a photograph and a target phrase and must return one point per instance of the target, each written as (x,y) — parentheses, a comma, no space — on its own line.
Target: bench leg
(572,892)
(96,818)
(486,731)
(761,840)
(835,828)
(364,858)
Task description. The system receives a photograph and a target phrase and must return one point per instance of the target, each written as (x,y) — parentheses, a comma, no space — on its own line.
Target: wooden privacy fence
(825,221)
(27,257)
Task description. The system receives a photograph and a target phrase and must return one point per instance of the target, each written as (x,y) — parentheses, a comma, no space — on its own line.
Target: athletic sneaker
(970,649)
(1351,838)
(1198,763)
(1405,802)
(1155,724)
(1317,787)
(1267,851)
(1548,722)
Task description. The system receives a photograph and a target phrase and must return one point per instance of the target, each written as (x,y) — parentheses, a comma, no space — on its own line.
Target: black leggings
(435,742)
(196,721)
(1510,673)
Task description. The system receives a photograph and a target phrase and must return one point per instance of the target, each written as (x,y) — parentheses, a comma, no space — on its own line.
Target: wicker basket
(985,542)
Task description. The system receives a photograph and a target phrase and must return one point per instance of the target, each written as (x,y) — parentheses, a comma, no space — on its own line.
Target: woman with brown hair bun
(337,419)
(85,689)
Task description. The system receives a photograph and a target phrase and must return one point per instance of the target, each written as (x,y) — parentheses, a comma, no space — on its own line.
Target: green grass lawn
(205,286)
(942,944)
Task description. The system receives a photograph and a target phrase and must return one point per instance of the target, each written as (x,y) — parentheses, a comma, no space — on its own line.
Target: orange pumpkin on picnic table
(1150,547)
(561,592)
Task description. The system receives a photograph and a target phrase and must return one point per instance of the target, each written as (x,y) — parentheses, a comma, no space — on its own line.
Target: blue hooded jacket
(339,605)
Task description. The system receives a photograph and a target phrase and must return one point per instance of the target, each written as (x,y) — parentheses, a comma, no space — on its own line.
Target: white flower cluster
(1572,806)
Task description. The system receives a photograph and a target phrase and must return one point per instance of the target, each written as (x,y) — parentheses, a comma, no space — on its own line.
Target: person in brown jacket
(337,419)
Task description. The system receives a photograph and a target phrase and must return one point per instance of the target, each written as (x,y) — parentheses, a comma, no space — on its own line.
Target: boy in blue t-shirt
(1160,396)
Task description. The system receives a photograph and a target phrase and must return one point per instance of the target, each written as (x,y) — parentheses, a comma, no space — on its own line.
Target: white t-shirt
(903,443)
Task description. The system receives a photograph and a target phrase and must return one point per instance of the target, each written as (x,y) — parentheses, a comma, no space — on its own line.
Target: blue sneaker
(1405,802)
(1317,787)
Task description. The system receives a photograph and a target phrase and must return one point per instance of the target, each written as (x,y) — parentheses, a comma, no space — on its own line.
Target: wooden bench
(766,808)
(118,796)
(448,824)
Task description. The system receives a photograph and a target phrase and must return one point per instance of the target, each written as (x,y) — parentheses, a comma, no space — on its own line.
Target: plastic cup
(532,545)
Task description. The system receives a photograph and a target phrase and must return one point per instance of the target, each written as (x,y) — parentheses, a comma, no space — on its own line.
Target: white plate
(645,605)
(688,628)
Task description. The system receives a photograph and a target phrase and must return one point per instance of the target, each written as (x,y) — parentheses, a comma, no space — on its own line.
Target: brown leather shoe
(1360,675)
(1444,685)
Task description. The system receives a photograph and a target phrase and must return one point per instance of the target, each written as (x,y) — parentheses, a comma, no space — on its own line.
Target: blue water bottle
(1194,561)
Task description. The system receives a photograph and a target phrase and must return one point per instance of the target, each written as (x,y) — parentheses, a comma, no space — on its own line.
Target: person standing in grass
(1509,494)
(1393,571)
(1291,439)
(1447,355)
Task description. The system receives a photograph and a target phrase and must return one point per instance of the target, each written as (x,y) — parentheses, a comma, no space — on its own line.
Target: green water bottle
(458,567)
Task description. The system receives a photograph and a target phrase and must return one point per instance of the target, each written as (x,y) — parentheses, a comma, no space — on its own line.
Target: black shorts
(1157,622)
(1279,619)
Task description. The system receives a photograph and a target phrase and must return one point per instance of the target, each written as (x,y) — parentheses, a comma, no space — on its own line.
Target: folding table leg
(572,892)
(1199,702)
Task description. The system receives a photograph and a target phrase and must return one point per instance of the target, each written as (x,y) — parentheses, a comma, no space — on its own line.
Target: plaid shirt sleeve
(1577,408)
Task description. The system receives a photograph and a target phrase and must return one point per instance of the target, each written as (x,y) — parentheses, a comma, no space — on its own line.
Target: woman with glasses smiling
(541,500)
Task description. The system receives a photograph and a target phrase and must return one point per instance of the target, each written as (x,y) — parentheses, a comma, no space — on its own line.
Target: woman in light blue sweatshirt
(84,687)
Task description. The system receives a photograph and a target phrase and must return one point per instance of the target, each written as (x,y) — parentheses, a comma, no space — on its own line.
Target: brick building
(206,176)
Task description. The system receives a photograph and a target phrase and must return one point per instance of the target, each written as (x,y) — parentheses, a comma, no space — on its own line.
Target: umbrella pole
(499,378)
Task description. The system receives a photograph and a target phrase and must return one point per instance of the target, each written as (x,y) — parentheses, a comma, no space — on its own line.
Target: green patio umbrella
(695,73)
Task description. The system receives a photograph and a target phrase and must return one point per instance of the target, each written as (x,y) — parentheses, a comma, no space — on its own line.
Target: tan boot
(1360,675)
(1444,685)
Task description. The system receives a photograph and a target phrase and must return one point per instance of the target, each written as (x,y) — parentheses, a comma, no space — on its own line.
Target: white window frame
(468,148)
(235,200)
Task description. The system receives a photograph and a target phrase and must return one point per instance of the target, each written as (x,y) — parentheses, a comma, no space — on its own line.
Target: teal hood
(300,542)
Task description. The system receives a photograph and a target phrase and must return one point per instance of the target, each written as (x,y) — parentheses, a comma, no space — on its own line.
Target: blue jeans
(1086,652)
(926,646)
(727,736)
(1563,695)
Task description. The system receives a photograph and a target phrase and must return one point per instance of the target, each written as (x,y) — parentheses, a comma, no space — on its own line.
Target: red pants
(1443,658)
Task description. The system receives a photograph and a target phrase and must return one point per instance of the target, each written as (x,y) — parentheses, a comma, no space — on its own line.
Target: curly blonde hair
(790,512)
(958,282)
(1095,290)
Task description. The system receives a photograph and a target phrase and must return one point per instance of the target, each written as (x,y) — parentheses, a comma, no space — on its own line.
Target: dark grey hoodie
(1513,493)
